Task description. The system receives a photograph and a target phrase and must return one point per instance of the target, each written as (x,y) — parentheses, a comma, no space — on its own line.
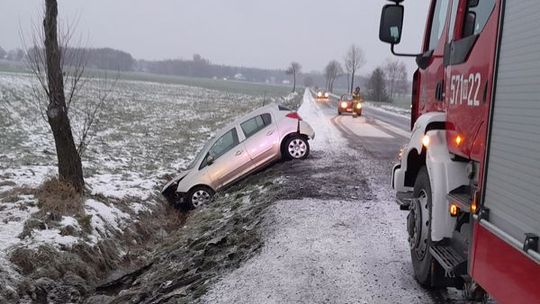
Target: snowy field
(147,131)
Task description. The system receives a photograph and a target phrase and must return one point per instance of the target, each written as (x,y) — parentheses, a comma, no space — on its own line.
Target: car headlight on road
(344,104)
(326,95)
(319,94)
(359,106)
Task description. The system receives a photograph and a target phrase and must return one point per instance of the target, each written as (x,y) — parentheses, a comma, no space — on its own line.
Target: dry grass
(59,198)
(12,196)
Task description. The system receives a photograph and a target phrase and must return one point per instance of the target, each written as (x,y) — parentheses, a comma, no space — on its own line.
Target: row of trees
(100,58)
(116,60)
(199,66)
(12,55)
(385,83)
(388,81)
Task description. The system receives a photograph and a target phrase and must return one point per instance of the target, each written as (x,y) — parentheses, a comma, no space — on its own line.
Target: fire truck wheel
(426,270)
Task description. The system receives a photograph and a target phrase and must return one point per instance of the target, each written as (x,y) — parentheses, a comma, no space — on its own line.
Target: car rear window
(283,108)
(253,125)
(267,118)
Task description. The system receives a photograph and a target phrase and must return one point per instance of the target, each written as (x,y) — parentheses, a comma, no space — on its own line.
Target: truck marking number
(462,89)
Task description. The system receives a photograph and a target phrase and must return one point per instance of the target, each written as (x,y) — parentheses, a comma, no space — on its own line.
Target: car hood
(175,180)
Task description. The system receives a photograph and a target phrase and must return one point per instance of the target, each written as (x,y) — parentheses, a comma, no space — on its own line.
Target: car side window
(437,23)
(225,143)
(255,124)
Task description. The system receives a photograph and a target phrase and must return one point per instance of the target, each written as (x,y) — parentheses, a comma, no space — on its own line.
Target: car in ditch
(250,143)
(348,104)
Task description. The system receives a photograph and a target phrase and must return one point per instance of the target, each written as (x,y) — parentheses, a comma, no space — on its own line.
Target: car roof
(264,109)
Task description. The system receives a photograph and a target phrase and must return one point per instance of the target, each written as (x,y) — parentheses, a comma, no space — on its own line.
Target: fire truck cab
(470,174)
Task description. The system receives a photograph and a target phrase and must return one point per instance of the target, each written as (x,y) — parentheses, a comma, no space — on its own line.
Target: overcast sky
(251,33)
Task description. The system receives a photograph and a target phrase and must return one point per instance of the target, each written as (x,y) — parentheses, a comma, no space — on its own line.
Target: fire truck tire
(426,269)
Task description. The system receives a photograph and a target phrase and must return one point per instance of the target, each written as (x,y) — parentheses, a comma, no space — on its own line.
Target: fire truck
(469,176)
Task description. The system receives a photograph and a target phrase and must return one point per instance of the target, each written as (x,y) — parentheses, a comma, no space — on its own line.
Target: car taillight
(294,115)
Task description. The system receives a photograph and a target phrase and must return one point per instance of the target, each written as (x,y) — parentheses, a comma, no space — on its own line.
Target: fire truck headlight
(425,141)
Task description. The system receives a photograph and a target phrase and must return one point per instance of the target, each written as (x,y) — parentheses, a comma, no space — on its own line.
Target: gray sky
(252,33)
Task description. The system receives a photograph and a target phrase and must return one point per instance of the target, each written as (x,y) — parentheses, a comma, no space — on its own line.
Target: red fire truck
(470,174)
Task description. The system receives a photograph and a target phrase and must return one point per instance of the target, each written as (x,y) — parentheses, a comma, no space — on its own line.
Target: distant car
(347,104)
(322,95)
(250,143)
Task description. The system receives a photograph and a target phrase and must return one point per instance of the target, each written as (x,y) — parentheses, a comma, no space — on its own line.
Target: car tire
(338,113)
(296,147)
(198,196)
(426,269)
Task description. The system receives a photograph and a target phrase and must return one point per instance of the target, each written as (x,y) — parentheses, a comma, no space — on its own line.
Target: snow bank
(105,217)
(390,109)
(325,134)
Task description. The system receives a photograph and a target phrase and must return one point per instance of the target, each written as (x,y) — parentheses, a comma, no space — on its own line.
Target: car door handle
(238,153)
(269,133)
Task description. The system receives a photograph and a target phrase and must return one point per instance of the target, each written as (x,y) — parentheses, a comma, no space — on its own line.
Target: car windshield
(201,154)
(346,97)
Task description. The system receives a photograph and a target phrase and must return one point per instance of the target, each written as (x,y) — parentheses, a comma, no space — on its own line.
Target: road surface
(347,247)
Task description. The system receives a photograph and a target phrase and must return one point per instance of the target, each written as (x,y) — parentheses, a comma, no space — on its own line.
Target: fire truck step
(404,200)
(453,263)
(462,197)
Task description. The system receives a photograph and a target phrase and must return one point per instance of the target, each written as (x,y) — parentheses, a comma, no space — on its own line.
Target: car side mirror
(391,23)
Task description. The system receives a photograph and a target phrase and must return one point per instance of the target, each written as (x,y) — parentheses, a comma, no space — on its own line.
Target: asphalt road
(345,241)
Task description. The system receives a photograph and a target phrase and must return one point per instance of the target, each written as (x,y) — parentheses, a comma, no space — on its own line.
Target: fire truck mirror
(391,23)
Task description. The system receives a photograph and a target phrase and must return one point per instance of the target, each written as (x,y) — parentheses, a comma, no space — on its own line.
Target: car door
(262,140)
(229,159)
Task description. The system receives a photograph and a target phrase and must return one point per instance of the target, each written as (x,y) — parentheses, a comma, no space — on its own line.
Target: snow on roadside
(120,186)
(390,109)
(104,217)
(325,134)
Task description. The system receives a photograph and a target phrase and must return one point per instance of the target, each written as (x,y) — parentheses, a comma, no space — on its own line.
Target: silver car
(259,138)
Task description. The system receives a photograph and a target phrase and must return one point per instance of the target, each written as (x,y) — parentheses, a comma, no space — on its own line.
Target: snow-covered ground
(146,132)
(341,250)
(390,109)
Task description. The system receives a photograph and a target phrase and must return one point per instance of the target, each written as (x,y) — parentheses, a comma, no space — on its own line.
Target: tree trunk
(69,161)
(294,82)
(352,82)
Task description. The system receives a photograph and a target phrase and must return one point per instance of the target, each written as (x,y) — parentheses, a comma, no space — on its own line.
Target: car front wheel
(198,196)
(296,147)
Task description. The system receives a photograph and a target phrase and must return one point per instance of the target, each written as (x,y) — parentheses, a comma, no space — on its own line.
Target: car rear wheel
(296,147)
(198,196)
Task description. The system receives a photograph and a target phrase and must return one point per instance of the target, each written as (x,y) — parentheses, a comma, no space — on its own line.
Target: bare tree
(395,72)
(332,71)
(3,53)
(59,71)
(294,70)
(354,60)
